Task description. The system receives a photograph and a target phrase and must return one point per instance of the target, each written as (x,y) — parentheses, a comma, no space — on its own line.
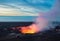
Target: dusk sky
(23,10)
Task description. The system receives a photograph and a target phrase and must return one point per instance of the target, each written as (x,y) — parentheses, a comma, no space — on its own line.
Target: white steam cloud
(44,20)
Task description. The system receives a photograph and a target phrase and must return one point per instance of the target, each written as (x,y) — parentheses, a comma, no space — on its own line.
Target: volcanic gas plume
(41,21)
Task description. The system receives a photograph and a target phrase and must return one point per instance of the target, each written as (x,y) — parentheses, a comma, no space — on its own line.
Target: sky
(23,10)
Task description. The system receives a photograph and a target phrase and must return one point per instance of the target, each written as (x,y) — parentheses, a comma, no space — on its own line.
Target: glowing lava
(29,29)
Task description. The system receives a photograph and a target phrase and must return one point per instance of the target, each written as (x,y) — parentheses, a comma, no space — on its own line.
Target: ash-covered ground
(7,34)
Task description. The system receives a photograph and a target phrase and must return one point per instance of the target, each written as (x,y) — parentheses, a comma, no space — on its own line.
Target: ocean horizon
(17,18)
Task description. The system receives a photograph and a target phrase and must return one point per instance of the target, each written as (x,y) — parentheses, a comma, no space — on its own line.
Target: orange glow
(29,29)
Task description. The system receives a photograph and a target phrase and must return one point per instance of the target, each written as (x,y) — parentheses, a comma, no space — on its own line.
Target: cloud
(24,8)
(15,10)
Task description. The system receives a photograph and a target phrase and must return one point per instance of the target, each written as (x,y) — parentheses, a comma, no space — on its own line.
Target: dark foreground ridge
(7,34)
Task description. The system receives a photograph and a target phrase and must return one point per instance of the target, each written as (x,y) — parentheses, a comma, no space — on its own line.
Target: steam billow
(49,19)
